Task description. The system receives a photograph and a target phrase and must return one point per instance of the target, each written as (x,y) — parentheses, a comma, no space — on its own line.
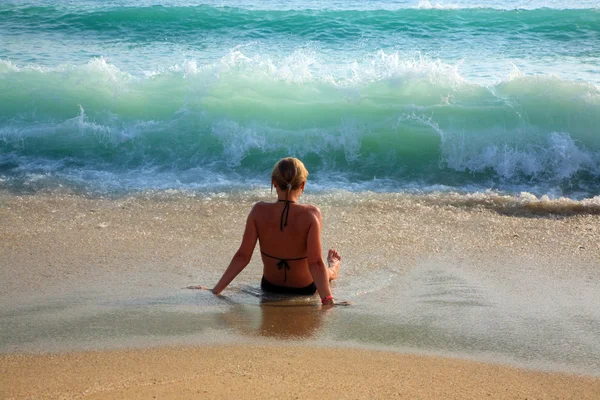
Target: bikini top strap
(283,263)
(285,212)
(282,259)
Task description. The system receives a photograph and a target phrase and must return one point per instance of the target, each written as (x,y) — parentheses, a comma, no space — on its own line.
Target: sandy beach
(275,372)
(92,303)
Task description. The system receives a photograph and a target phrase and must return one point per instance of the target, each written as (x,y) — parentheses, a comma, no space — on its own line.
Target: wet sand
(275,372)
(480,278)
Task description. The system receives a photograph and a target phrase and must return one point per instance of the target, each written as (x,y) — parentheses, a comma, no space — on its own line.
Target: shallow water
(525,319)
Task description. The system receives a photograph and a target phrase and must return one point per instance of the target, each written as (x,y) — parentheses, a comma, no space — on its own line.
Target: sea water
(381,95)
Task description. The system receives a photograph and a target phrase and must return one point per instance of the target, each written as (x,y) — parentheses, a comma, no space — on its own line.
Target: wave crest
(388,117)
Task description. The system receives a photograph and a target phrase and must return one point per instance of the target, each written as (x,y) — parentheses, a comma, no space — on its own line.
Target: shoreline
(251,371)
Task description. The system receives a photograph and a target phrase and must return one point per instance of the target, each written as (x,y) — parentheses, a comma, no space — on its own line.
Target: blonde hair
(289,173)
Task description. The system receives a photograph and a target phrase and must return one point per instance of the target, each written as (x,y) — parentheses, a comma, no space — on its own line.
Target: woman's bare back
(288,244)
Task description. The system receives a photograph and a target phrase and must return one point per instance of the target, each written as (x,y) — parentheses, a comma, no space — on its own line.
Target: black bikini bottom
(269,287)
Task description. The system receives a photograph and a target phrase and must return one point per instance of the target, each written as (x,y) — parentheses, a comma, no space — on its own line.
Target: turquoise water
(379,95)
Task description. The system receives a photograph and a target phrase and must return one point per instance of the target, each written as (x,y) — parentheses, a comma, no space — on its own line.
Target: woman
(290,240)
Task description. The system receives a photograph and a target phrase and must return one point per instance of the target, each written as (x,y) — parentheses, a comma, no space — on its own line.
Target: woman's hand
(200,287)
(332,303)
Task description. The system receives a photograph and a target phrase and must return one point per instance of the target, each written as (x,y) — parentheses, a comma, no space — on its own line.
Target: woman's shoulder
(312,210)
(261,207)
(258,206)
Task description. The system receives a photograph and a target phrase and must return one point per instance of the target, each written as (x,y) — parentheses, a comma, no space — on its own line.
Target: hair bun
(289,174)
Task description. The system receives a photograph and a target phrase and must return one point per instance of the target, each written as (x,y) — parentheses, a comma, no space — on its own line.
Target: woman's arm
(316,265)
(242,257)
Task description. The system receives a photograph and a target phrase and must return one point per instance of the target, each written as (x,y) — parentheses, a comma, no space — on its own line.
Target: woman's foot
(334,262)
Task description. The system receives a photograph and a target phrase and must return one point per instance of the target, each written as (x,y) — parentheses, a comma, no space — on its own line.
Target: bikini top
(283,262)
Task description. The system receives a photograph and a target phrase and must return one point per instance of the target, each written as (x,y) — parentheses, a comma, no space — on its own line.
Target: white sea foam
(300,66)
(428,5)
(558,157)
(302,5)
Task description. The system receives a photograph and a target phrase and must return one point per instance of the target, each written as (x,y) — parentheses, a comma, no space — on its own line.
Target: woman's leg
(334,262)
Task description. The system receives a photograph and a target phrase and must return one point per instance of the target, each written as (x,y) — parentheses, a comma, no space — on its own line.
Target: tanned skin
(301,237)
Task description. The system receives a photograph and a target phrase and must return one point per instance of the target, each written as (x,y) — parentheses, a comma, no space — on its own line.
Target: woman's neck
(292,196)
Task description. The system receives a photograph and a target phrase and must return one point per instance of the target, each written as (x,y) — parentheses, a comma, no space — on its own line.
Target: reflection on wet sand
(276,319)
(64,324)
